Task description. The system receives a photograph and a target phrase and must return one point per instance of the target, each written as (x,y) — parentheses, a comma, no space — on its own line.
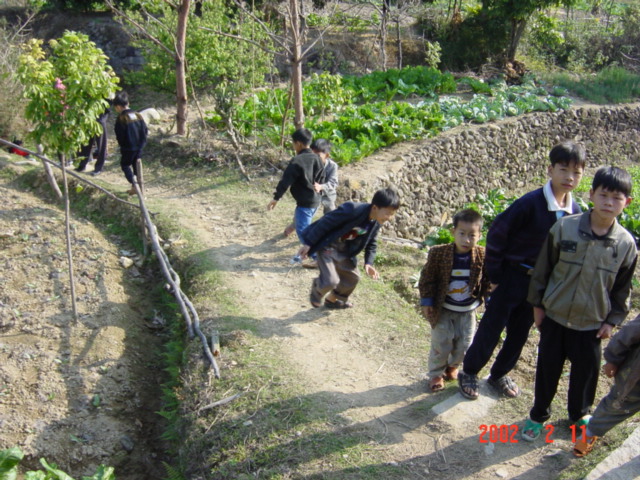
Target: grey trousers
(337,273)
(611,412)
(450,339)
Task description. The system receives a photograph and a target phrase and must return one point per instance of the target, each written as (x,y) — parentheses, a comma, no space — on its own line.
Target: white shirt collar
(552,203)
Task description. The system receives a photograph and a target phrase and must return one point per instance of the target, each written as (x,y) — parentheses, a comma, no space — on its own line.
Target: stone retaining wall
(440,175)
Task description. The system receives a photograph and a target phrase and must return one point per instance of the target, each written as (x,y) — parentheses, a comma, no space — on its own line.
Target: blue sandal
(531,430)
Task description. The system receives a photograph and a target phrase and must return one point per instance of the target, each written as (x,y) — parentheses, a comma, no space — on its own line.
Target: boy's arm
(621,290)
(547,259)
(427,283)
(498,238)
(370,255)
(288,177)
(331,180)
(623,342)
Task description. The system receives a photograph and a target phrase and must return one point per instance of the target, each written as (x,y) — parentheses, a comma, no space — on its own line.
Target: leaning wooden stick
(48,162)
(186,307)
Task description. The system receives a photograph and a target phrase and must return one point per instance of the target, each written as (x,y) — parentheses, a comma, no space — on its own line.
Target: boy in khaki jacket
(580,290)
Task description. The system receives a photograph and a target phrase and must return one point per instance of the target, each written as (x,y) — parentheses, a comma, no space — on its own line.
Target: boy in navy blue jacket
(131,133)
(513,244)
(337,238)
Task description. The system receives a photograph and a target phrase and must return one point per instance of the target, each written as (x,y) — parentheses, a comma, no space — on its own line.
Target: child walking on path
(452,285)
(337,238)
(303,171)
(327,187)
(623,401)
(580,290)
(131,133)
(513,243)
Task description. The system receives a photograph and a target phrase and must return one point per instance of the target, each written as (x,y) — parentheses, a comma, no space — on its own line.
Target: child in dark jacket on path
(513,243)
(131,133)
(337,238)
(452,285)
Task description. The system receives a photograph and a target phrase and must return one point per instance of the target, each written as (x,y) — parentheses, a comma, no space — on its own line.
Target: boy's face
(608,204)
(118,108)
(564,178)
(466,236)
(382,214)
(298,146)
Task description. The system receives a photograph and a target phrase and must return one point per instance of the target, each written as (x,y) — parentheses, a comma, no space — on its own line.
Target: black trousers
(128,164)
(557,344)
(98,142)
(508,308)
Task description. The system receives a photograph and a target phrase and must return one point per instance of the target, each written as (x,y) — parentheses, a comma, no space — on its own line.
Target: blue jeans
(302,217)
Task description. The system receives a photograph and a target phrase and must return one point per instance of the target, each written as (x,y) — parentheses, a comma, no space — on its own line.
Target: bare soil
(78,393)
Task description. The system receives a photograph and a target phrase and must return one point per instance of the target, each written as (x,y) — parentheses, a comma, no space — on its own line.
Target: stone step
(621,464)
(457,411)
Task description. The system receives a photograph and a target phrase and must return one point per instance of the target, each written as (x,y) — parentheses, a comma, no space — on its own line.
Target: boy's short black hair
(468,215)
(321,145)
(302,135)
(567,152)
(613,179)
(386,198)
(121,99)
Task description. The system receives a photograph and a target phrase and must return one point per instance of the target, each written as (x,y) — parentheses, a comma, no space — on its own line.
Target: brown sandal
(584,445)
(436,384)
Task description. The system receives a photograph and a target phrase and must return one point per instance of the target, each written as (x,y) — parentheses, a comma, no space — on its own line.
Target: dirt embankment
(78,393)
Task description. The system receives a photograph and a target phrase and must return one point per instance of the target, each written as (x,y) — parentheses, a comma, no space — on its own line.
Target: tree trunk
(398,44)
(517,29)
(384,21)
(296,65)
(181,79)
(67,231)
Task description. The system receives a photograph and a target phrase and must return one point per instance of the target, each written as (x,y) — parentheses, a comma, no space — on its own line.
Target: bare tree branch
(238,37)
(140,28)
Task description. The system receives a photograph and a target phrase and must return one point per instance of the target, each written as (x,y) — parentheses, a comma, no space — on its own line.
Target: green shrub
(489,205)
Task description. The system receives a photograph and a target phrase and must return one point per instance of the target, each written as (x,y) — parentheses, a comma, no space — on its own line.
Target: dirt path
(378,391)
(385,396)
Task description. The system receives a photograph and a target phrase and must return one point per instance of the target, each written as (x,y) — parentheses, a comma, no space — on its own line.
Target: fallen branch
(224,401)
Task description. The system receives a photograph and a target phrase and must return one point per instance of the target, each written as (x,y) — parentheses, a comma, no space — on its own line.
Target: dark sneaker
(78,169)
(96,173)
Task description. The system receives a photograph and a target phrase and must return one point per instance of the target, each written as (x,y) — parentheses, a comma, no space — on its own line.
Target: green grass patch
(611,85)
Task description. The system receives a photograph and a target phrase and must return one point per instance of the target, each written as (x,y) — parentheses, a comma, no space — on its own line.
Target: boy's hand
(317,187)
(372,272)
(492,287)
(609,369)
(430,314)
(605,331)
(272,204)
(304,250)
(538,316)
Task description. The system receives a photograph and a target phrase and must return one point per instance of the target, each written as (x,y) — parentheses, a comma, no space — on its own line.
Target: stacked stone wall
(442,174)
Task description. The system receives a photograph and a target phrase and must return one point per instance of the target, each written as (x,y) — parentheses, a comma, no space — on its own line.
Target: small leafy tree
(66,91)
